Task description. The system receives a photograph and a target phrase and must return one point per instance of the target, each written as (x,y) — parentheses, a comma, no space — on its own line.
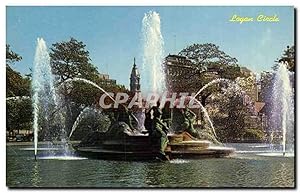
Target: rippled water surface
(242,170)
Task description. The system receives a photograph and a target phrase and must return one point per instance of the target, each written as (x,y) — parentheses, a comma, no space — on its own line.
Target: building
(177,60)
(105,80)
(135,77)
(178,71)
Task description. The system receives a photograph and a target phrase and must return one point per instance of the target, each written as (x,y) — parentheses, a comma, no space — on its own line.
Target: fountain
(153,76)
(282,114)
(78,119)
(45,99)
(48,108)
(235,88)
(17,98)
(203,109)
(90,83)
(121,143)
(88,108)
(86,112)
(42,86)
(218,80)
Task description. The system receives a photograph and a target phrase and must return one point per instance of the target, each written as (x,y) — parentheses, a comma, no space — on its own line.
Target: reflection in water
(179,161)
(62,158)
(35,180)
(156,174)
(280,178)
(244,170)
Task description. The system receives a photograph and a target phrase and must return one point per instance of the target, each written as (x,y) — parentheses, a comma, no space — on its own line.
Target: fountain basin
(138,147)
(277,154)
(189,145)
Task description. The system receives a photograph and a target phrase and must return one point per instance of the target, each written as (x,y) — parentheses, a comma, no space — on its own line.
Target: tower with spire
(135,79)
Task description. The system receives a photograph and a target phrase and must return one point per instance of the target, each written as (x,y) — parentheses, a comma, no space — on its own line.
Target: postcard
(150,97)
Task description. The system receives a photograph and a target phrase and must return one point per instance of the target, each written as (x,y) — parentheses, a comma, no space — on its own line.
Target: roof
(134,71)
(259,106)
(176,56)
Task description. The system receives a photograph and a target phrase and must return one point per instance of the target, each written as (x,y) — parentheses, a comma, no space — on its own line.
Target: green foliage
(287,56)
(16,85)
(11,57)
(236,116)
(71,59)
(230,120)
(253,133)
(266,82)
(204,55)
(84,94)
(209,63)
(227,109)
(230,72)
(18,114)
(93,121)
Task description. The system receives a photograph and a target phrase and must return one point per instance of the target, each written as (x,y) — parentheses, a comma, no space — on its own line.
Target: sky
(113,35)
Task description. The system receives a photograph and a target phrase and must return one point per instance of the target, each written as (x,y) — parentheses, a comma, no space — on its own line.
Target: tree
(71,59)
(196,66)
(18,112)
(208,63)
(231,117)
(16,85)
(204,55)
(287,56)
(266,82)
(234,125)
(11,57)
(18,115)
(94,120)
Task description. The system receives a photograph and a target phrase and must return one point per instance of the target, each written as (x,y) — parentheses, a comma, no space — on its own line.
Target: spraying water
(83,111)
(203,109)
(90,83)
(18,98)
(79,118)
(43,89)
(218,80)
(153,76)
(283,104)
